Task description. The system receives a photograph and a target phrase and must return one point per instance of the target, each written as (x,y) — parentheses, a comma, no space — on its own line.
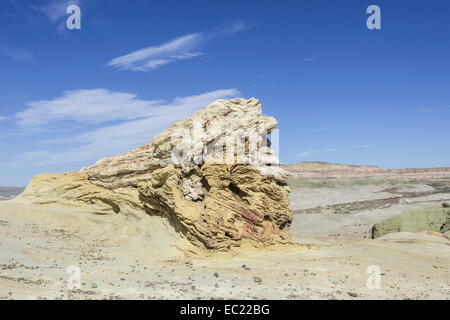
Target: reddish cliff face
(323,170)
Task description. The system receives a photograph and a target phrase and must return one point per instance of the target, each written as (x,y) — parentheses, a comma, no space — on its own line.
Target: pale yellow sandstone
(213,195)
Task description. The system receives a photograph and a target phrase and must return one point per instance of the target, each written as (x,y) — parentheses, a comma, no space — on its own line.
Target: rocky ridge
(326,170)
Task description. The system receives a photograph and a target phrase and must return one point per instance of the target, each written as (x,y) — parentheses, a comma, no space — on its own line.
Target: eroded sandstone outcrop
(74,189)
(240,203)
(213,176)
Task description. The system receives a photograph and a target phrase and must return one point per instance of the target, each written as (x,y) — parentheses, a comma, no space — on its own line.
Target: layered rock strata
(213,176)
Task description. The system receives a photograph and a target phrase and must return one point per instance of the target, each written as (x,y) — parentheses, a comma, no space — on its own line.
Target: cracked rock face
(239,204)
(213,176)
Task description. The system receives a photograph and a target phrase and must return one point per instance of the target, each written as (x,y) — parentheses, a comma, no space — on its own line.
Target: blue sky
(340,92)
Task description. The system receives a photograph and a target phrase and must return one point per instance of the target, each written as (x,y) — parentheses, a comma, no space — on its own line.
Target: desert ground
(333,218)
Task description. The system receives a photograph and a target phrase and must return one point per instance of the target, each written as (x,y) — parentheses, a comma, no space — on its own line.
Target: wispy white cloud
(87,106)
(433,109)
(55,11)
(358,146)
(309,59)
(306,154)
(227,29)
(182,48)
(153,57)
(20,55)
(317,130)
(430,109)
(132,131)
(3,118)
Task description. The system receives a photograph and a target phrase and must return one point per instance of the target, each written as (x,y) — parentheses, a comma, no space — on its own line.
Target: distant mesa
(324,170)
(7,193)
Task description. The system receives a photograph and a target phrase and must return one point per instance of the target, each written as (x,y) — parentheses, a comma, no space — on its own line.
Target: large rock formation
(213,176)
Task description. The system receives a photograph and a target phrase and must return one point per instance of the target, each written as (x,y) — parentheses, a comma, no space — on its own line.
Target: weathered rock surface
(213,176)
(73,189)
(240,203)
(432,219)
(191,142)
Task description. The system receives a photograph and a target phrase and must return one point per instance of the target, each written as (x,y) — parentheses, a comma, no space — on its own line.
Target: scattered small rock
(257,279)
(352,294)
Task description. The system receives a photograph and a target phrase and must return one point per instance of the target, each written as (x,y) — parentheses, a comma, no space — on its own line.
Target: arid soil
(349,212)
(329,260)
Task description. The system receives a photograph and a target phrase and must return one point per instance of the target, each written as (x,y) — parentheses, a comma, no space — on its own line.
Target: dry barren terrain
(120,258)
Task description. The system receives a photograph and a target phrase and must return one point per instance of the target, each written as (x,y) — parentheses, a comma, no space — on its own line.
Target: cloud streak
(87,106)
(182,48)
(306,154)
(19,55)
(153,116)
(56,9)
(153,57)
(317,130)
